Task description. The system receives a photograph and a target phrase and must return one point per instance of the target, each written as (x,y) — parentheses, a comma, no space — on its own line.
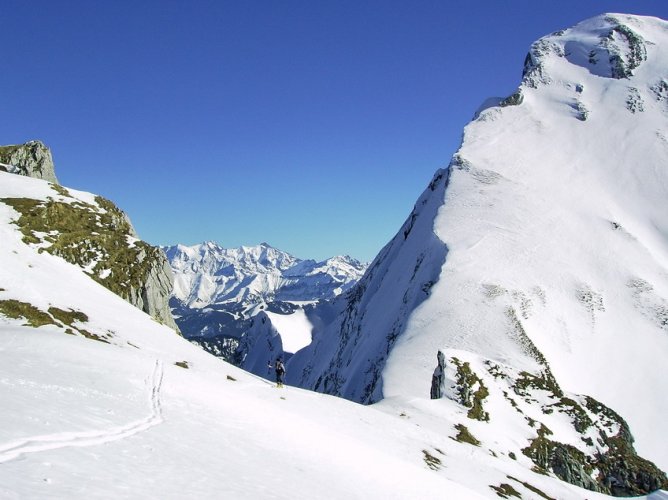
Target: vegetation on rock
(434,463)
(531,488)
(15,309)
(465,436)
(99,239)
(60,318)
(505,490)
(615,469)
(471,390)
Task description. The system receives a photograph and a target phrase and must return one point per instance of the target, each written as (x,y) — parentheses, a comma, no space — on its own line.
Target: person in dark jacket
(280,372)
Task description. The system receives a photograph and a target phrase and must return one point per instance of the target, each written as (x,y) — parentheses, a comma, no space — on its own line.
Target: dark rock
(635,51)
(621,472)
(438,378)
(513,100)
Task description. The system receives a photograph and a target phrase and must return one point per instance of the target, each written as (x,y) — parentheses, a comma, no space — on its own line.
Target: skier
(280,372)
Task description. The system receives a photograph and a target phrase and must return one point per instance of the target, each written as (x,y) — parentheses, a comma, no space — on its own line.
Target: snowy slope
(542,248)
(122,407)
(572,225)
(294,329)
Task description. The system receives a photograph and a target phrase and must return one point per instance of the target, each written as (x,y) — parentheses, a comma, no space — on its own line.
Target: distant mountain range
(208,274)
(218,290)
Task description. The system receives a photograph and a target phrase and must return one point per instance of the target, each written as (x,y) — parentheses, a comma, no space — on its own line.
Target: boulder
(32,159)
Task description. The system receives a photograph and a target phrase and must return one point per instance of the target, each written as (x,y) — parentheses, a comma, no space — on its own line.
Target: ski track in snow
(14,449)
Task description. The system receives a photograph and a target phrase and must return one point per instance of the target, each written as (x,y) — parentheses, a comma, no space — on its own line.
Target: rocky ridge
(93,234)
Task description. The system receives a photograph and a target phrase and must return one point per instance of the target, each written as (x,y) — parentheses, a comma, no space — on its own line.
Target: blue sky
(311,125)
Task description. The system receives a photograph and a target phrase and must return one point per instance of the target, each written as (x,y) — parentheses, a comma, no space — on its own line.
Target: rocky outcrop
(626,49)
(100,239)
(151,295)
(576,438)
(32,159)
(148,279)
(616,469)
(619,52)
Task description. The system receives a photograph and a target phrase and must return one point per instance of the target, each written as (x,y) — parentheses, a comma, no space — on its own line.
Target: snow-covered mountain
(530,283)
(219,290)
(101,401)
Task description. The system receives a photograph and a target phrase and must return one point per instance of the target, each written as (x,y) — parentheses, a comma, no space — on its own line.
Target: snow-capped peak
(543,247)
(208,273)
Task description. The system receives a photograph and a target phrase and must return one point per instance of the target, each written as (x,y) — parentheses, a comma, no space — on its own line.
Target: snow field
(294,329)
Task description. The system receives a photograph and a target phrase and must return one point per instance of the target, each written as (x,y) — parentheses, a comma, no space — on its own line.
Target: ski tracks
(14,449)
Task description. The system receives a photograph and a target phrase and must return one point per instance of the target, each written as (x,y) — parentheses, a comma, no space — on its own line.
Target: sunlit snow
(294,329)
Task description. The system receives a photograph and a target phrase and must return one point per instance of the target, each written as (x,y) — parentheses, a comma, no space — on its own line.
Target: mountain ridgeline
(529,285)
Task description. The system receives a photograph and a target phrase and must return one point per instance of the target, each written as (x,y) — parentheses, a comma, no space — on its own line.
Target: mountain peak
(542,247)
(612,46)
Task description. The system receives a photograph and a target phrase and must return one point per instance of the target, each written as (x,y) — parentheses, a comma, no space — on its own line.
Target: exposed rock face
(148,278)
(601,458)
(618,53)
(626,50)
(32,159)
(152,296)
(438,379)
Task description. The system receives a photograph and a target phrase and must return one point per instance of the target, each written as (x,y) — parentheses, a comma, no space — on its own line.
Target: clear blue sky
(312,125)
